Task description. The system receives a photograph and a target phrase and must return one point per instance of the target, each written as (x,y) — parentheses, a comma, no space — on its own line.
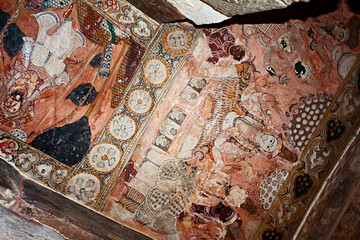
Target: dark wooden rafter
(159,10)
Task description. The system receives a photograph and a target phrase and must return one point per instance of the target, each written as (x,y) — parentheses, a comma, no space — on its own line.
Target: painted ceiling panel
(173,131)
(130,21)
(335,213)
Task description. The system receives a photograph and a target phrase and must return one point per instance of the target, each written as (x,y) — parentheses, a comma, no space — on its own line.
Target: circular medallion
(104,157)
(20,134)
(142,28)
(176,41)
(155,71)
(139,101)
(83,187)
(25,160)
(122,127)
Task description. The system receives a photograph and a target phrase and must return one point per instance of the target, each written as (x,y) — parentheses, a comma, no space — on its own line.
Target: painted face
(237,52)
(338,32)
(284,43)
(268,143)
(13,103)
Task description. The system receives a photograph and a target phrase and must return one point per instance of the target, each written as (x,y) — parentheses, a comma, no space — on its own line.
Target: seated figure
(249,134)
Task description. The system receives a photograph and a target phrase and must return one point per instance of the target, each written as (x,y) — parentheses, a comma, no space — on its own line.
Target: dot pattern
(92,26)
(269,187)
(43,4)
(126,71)
(157,200)
(306,116)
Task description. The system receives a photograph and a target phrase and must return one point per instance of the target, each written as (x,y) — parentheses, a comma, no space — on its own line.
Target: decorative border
(128,106)
(322,153)
(344,180)
(109,123)
(166,44)
(31,161)
(88,157)
(175,63)
(128,19)
(167,71)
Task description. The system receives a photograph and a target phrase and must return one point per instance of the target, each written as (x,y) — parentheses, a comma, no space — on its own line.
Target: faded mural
(177,132)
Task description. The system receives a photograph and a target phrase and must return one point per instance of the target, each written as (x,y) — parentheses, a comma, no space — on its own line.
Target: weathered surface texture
(169,130)
(241,7)
(335,214)
(36,203)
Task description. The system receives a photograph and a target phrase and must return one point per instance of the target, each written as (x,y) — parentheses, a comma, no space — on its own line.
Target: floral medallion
(43,170)
(122,127)
(59,175)
(110,6)
(176,41)
(155,71)
(139,101)
(83,187)
(25,160)
(104,157)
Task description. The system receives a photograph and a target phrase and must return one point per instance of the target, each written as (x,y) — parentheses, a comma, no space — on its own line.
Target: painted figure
(222,44)
(285,49)
(52,51)
(251,135)
(19,88)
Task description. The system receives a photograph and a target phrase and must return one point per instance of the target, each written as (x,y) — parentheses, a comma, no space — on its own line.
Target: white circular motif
(142,29)
(155,71)
(176,41)
(104,157)
(59,175)
(26,159)
(122,127)
(83,188)
(20,134)
(139,101)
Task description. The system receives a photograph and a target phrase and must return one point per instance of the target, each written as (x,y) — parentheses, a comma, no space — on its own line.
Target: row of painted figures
(247,150)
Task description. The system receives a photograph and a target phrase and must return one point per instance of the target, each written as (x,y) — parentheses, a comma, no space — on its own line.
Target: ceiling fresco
(174,131)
